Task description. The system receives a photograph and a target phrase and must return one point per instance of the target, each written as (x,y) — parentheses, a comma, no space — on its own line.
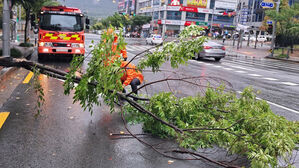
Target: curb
(5,72)
(231,53)
(282,59)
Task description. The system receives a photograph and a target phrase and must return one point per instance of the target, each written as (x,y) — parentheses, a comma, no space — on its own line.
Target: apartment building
(171,16)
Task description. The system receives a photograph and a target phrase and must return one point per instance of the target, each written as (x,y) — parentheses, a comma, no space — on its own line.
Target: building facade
(127,7)
(171,16)
(251,13)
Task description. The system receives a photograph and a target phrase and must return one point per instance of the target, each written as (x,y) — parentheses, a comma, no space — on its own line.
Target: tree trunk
(26,25)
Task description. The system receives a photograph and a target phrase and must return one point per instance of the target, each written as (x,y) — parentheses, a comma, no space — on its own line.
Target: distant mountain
(95,8)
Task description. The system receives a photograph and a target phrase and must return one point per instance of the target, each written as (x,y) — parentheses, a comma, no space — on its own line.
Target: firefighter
(114,45)
(131,76)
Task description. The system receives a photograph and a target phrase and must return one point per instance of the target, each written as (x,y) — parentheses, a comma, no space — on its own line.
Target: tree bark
(26,25)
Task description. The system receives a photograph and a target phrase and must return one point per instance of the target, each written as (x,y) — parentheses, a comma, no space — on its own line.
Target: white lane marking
(208,64)
(241,71)
(271,79)
(256,75)
(229,69)
(217,66)
(139,47)
(277,105)
(290,83)
(239,67)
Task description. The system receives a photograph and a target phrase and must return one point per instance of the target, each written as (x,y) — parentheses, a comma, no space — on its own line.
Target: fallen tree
(215,116)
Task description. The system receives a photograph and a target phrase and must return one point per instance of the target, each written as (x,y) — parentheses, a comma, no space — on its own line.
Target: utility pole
(251,18)
(212,20)
(274,30)
(6,29)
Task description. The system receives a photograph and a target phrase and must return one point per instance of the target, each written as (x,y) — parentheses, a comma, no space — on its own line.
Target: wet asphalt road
(66,136)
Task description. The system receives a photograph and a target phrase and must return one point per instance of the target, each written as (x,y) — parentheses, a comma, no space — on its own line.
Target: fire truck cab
(61,32)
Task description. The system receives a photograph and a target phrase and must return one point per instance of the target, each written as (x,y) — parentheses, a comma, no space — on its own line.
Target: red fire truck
(61,31)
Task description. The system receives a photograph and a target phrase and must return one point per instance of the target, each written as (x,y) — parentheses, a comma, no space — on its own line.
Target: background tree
(287,24)
(118,21)
(139,20)
(32,6)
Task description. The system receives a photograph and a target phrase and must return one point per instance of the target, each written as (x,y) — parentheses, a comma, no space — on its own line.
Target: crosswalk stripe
(290,83)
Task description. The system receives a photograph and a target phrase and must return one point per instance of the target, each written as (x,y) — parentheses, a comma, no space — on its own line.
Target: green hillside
(95,8)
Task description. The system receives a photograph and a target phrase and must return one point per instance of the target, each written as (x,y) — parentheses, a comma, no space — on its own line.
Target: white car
(127,35)
(154,39)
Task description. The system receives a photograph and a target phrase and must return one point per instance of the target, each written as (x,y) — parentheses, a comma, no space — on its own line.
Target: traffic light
(124,13)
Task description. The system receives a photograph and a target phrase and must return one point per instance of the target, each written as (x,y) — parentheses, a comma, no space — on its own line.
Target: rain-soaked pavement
(66,136)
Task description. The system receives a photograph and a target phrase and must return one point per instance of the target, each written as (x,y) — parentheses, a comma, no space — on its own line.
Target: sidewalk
(261,51)
(26,52)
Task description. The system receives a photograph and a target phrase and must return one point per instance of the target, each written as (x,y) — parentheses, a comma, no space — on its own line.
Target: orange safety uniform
(130,73)
(114,47)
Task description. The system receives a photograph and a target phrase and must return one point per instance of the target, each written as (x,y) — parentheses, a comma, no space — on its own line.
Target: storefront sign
(146,26)
(188,9)
(188,23)
(197,3)
(175,3)
(226,5)
(173,8)
(202,10)
(171,22)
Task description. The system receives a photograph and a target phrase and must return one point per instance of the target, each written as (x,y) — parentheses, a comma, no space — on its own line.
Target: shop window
(197,16)
(174,15)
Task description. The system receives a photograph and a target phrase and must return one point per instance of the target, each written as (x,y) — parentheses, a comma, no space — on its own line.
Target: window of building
(156,2)
(219,18)
(174,15)
(212,4)
(156,15)
(197,16)
(161,14)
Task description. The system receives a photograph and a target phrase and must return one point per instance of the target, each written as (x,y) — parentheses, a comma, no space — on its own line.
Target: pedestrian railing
(284,52)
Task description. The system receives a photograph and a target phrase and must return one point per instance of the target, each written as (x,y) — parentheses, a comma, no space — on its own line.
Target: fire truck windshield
(58,22)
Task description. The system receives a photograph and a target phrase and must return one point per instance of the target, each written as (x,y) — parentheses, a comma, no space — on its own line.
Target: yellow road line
(28,77)
(3,117)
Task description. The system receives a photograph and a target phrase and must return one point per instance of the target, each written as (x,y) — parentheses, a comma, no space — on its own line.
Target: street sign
(267,4)
(269,22)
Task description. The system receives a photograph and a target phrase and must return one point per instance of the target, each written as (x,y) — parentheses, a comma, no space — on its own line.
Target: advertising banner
(197,3)
(225,5)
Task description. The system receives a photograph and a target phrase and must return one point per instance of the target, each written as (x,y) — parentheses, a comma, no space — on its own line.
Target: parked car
(127,35)
(253,38)
(212,50)
(154,39)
